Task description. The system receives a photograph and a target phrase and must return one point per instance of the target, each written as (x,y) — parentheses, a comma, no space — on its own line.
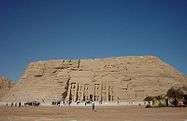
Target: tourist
(69,103)
(19,104)
(12,104)
(93,106)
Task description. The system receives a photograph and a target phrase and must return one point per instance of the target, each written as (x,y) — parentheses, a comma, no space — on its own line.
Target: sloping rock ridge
(130,78)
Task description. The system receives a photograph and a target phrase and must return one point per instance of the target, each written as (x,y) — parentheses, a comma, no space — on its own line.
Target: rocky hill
(130,78)
(5,86)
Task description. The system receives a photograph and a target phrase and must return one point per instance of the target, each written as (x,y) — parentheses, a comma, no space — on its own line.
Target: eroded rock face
(108,79)
(5,85)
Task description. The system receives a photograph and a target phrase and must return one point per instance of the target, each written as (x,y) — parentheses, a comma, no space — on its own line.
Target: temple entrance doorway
(91,97)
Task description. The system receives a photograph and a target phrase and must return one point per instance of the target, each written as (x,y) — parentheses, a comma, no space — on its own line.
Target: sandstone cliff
(129,78)
(5,85)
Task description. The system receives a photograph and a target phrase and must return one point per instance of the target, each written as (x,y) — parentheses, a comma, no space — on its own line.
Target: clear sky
(33,30)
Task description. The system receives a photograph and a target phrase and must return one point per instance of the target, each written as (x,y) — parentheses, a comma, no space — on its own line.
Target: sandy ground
(117,113)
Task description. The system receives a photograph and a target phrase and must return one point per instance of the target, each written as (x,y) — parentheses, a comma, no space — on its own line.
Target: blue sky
(32,30)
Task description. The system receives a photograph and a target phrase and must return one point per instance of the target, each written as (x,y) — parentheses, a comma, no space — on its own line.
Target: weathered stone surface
(5,85)
(129,78)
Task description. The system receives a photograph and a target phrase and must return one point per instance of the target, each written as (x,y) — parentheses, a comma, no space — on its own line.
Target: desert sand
(117,113)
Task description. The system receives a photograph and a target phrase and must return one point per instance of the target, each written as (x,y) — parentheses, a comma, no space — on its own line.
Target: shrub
(148,98)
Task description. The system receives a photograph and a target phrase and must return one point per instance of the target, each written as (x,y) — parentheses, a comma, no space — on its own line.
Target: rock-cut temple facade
(129,78)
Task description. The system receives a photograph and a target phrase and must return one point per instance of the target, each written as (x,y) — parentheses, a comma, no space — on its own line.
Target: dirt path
(86,114)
